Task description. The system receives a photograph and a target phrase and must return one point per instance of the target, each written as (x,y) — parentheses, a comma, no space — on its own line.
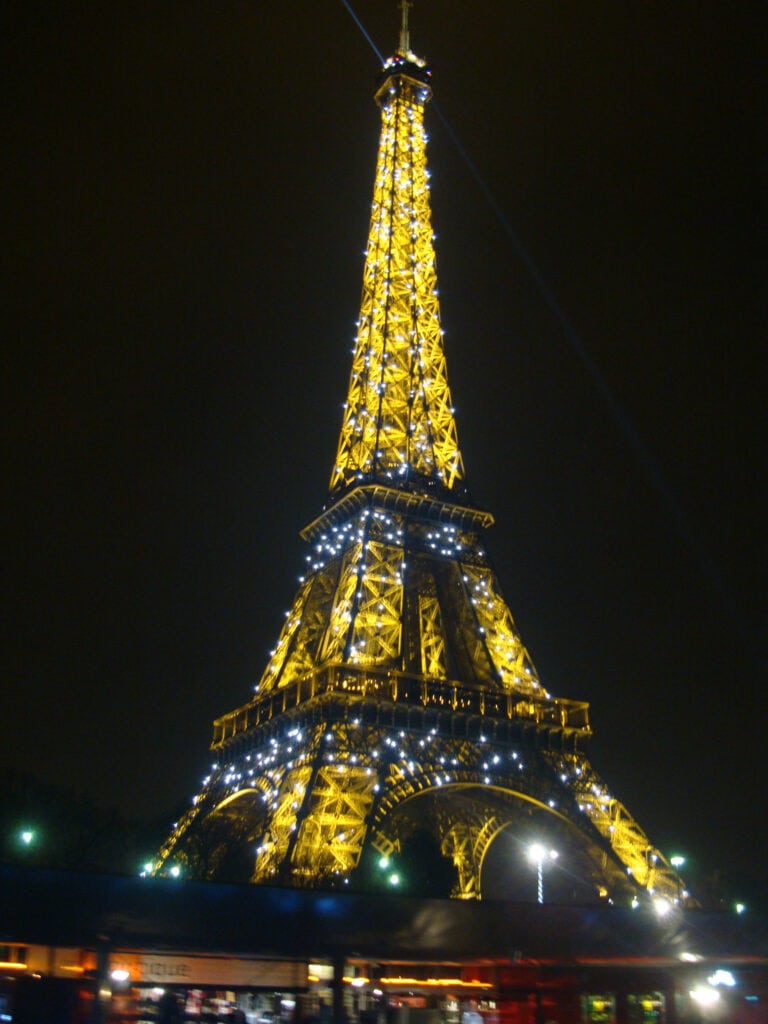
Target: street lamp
(677,862)
(537,854)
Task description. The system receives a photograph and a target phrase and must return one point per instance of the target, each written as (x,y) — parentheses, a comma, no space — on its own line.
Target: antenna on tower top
(405,40)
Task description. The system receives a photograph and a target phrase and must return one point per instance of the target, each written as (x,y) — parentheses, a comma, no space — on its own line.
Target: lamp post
(677,862)
(537,854)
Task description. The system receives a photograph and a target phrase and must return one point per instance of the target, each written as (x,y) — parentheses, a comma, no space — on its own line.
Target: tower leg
(458,843)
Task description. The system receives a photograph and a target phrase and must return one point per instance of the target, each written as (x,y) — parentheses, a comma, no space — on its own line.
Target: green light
(384,863)
(394,878)
(677,861)
(740,908)
(27,836)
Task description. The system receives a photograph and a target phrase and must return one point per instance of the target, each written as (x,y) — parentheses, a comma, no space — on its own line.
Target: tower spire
(405,40)
(398,426)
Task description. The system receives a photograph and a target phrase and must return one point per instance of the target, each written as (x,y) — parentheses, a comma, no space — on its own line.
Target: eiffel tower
(399,696)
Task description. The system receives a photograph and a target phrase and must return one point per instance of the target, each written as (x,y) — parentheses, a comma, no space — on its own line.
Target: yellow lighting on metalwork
(7,965)
(398,418)
(398,605)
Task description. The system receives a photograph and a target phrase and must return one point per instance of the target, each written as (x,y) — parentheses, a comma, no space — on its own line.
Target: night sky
(187,189)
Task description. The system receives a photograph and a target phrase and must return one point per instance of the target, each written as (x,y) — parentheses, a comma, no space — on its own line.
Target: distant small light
(175,871)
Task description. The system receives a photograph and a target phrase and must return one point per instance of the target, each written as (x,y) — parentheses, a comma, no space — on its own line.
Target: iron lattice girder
(398,418)
(412,504)
(362,604)
(642,860)
(334,781)
(398,698)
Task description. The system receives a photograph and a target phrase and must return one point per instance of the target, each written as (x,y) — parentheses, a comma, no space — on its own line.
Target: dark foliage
(70,831)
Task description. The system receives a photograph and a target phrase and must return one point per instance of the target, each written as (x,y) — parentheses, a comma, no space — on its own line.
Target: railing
(401,688)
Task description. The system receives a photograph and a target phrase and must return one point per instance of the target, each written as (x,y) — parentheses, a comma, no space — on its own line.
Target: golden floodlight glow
(398,418)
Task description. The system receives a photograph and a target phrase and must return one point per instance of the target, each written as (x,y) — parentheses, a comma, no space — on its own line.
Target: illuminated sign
(159,969)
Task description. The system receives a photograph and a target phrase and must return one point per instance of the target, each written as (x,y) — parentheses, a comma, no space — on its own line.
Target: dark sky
(187,189)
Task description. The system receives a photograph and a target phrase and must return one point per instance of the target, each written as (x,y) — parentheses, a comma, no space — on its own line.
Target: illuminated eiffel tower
(399,696)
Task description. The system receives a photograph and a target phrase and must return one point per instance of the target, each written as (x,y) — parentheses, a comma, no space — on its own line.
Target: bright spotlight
(721,977)
(662,906)
(536,853)
(704,995)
